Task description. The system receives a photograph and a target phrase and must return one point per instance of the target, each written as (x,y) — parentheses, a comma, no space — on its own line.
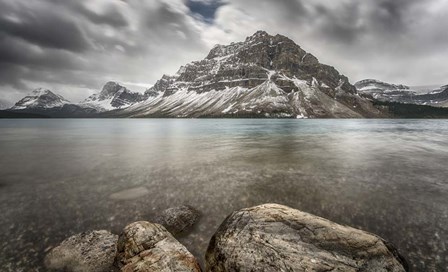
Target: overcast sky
(74,46)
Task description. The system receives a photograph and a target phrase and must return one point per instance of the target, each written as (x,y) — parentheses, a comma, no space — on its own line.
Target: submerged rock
(131,193)
(273,237)
(178,219)
(92,251)
(144,246)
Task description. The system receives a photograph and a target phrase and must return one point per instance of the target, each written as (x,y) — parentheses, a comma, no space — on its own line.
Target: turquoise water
(61,177)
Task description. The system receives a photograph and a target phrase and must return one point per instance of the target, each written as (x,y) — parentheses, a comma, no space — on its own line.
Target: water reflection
(384,176)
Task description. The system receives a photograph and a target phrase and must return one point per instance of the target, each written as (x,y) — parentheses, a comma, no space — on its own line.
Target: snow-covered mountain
(40,99)
(373,86)
(45,102)
(264,76)
(112,96)
(387,92)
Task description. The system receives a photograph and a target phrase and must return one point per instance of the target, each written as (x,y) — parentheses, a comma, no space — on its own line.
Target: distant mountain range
(40,99)
(386,92)
(46,103)
(264,76)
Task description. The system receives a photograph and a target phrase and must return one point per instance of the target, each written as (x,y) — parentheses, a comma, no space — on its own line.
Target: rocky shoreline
(268,237)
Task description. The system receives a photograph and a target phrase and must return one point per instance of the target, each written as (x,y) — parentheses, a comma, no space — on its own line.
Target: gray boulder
(92,251)
(273,237)
(148,247)
(178,219)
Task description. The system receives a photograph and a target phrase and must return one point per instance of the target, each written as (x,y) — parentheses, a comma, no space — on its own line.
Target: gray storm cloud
(73,47)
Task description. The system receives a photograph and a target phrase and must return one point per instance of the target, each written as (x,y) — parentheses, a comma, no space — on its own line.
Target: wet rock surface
(268,237)
(273,237)
(144,246)
(88,251)
(178,219)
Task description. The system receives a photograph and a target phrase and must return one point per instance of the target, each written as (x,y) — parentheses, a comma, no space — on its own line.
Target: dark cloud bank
(74,46)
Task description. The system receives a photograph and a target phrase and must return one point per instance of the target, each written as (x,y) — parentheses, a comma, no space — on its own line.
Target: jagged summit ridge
(112,96)
(224,50)
(263,76)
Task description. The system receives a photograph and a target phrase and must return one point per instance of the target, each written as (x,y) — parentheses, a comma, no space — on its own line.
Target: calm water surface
(61,177)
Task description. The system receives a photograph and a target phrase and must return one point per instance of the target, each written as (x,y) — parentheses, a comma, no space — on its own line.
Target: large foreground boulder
(92,251)
(273,237)
(149,247)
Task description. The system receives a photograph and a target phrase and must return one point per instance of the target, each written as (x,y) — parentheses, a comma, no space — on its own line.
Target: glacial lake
(64,176)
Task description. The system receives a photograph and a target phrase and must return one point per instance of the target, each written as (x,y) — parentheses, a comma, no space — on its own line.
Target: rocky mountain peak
(113,96)
(262,49)
(264,75)
(255,56)
(40,98)
(263,37)
(259,33)
(110,89)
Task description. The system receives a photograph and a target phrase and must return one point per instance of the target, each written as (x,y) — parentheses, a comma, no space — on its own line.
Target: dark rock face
(272,237)
(160,86)
(148,247)
(178,219)
(109,90)
(89,251)
(125,99)
(264,76)
(113,96)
